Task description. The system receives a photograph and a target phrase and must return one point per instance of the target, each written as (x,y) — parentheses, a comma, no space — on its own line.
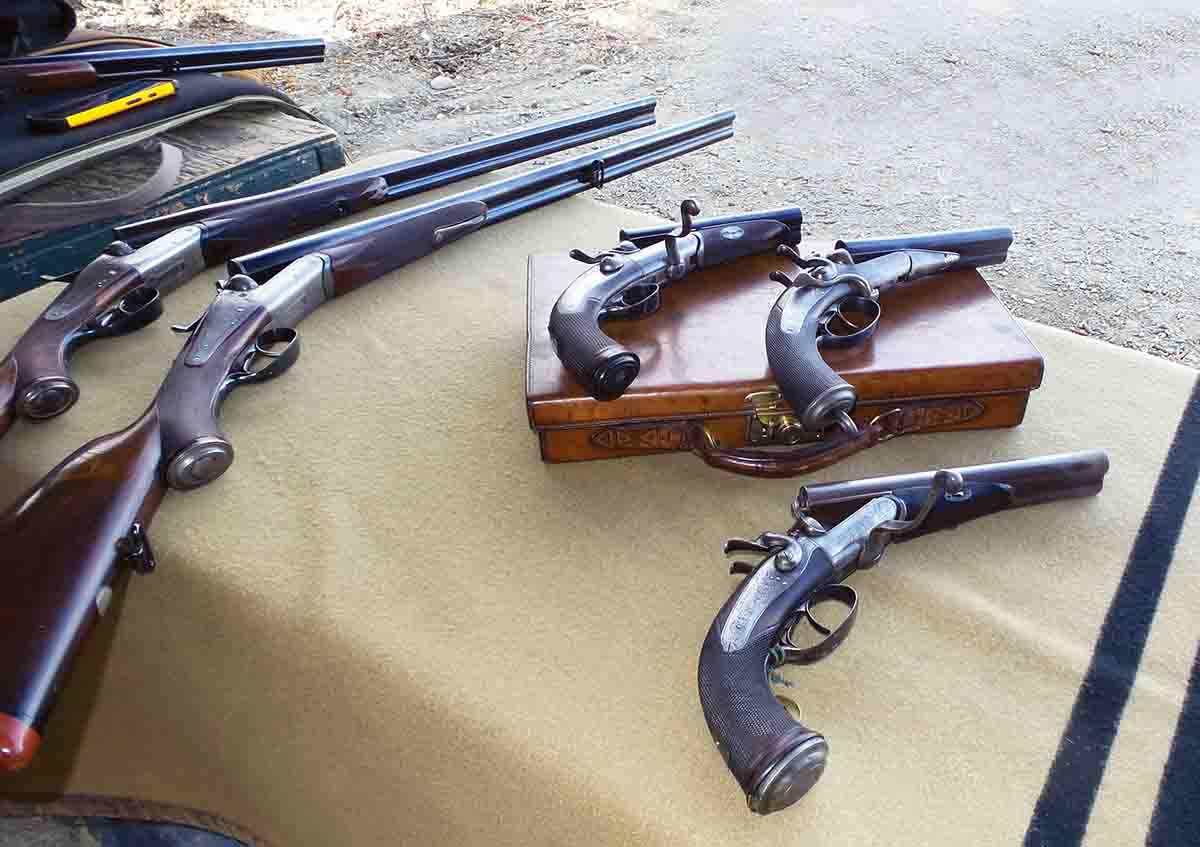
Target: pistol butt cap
(47,397)
(791,776)
(18,742)
(614,375)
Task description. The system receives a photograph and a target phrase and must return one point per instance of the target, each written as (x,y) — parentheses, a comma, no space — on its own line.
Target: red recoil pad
(18,742)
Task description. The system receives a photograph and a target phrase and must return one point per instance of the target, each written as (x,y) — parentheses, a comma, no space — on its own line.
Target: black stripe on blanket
(1061,815)
(1177,813)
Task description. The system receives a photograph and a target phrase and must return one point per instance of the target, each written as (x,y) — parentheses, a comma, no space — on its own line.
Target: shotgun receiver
(122,289)
(839,528)
(627,281)
(834,301)
(63,543)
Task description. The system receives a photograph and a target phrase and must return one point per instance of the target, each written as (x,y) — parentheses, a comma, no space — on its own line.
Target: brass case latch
(771,422)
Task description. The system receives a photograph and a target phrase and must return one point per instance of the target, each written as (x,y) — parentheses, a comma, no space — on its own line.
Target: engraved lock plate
(772,422)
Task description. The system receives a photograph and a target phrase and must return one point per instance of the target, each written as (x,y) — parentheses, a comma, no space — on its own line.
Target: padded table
(390,623)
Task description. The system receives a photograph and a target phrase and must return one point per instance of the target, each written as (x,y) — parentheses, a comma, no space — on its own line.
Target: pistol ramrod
(63,542)
(839,528)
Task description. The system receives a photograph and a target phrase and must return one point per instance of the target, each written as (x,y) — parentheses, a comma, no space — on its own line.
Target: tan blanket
(390,623)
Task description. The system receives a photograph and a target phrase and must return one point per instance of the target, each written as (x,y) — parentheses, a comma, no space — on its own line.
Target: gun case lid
(703,353)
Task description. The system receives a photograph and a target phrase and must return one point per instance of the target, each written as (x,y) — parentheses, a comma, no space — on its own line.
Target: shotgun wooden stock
(58,573)
(66,539)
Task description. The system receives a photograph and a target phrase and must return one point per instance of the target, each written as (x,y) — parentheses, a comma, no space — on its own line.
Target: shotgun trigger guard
(636,301)
(788,652)
(279,360)
(140,307)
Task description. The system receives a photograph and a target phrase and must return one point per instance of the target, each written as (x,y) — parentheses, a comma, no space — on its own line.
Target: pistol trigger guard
(836,330)
(636,301)
(791,654)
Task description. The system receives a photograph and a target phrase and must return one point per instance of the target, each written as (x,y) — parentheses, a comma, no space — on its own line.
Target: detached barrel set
(757,380)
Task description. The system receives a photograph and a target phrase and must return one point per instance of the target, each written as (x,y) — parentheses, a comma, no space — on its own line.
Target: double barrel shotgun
(122,289)
(64,542)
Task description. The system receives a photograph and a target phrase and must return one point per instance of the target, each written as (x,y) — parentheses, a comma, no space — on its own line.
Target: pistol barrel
(791,216)
(1036,480)
(976,248)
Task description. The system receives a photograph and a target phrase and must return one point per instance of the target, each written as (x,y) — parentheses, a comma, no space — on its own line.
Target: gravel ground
(1073,121)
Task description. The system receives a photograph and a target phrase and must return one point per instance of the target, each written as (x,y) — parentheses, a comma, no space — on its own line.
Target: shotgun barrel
(437,169)
(510,197)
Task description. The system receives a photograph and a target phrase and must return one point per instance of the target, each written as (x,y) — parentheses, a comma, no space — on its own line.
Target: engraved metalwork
(289,297)
(168,262)
(763,588)
(847,542)
(164,264)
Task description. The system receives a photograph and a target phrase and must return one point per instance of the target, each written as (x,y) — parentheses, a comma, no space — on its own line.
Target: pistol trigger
(796,655)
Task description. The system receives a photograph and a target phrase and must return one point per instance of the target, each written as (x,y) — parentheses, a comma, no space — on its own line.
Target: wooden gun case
(947,354)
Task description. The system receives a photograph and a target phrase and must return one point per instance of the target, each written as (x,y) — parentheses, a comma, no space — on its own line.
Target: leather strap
(25,219)
(783,461)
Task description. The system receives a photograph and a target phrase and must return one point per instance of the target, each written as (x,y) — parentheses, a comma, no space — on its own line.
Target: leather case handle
(777,462)
(783,461)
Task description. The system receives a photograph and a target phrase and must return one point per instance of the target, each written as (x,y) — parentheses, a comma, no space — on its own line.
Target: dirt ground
(1073,121)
